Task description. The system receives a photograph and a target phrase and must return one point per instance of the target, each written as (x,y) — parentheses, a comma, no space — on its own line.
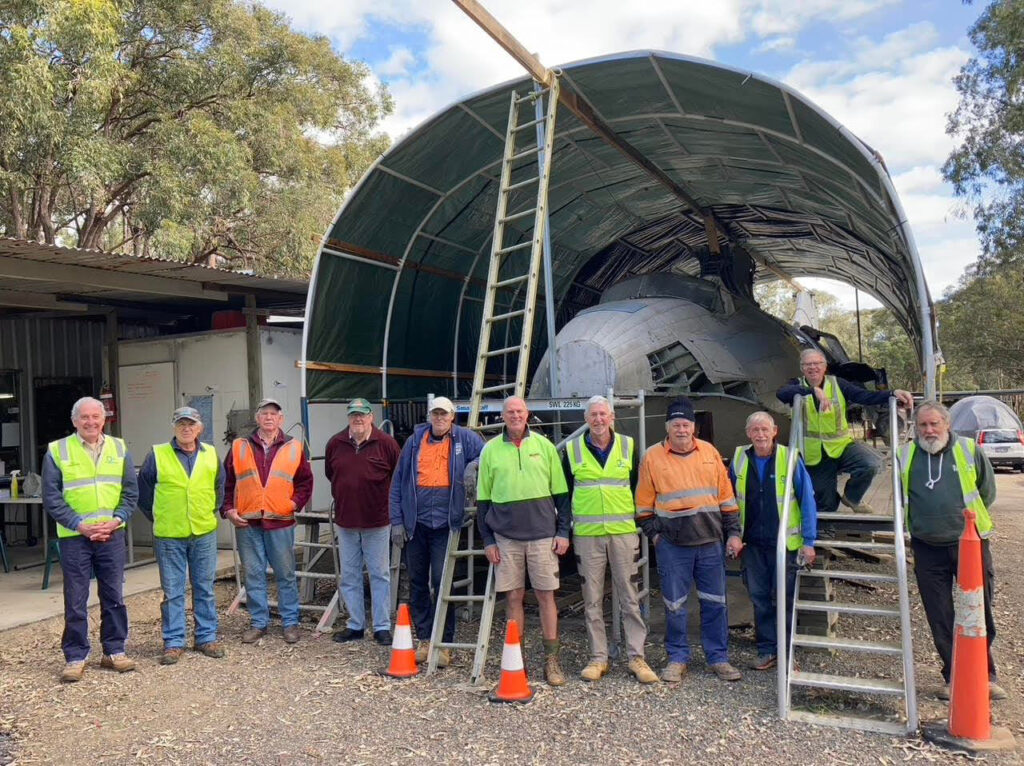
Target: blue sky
(881,67)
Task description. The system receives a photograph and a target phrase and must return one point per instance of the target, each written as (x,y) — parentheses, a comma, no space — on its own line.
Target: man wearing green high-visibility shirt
(181,486)
(90,490)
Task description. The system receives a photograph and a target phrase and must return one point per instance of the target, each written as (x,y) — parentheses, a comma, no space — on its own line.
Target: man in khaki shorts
(523,513)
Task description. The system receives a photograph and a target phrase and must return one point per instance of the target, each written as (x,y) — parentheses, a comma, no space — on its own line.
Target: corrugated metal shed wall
(53,347)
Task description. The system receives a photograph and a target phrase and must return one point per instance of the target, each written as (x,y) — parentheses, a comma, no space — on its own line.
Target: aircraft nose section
(584,368)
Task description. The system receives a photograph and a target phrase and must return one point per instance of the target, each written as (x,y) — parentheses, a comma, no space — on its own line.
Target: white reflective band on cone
(403,637)
(969,607)
(511,657)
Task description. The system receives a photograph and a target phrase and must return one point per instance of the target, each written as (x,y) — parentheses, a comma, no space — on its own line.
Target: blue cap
(681,408)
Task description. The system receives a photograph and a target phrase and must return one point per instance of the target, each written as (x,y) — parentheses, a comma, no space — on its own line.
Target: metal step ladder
(506,330)
(310,550)
(791,676)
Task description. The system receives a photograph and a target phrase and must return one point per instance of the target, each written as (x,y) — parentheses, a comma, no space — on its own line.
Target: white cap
(442,403)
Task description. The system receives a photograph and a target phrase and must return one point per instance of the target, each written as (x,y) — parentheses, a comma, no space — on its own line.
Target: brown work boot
(642,671)
(444,658)
(292,634)
(252,635)
(118,662)
(594,670)
(553,671)
(171,656)
(673,672)
(725,671)
(423,652)
(73,672)
(213,649)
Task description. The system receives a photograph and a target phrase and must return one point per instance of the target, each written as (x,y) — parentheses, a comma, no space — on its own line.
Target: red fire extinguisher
(109,403)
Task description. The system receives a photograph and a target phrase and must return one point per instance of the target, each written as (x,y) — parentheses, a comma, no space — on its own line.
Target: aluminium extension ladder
(903,686)
(506,330)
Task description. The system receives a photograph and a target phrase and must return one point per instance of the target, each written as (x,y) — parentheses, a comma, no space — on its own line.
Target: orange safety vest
(273,501)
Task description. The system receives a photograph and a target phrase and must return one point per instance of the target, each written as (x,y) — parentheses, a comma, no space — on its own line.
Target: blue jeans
(258,548)
(79,558)
(372,547)
(424,557)
(859,461)
(679,567)
(199,555)
(759,577)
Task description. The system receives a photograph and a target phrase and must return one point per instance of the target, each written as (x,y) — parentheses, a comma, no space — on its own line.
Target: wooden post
(253,354)
(113,364)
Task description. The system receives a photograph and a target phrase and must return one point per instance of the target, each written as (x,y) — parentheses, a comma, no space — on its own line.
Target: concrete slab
(22,600)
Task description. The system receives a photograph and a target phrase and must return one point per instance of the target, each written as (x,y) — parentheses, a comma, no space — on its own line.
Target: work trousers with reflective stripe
(621,553)
(80,557)
(935,568)
(679,568)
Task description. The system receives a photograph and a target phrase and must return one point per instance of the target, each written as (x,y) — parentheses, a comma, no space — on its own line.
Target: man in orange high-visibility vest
(267,479)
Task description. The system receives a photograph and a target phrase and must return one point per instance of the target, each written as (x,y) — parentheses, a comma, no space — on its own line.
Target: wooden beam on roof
(39,271)
(580,107)
(27,300)
(366,369)
(361,253)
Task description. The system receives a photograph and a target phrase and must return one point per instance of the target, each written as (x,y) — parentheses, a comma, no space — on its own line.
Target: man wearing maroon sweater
(267,479)
(359,462)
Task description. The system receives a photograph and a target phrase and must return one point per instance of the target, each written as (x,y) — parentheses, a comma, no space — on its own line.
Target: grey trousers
(621,553)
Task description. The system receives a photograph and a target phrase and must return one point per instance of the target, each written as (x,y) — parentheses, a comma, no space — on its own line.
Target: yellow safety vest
(740,465)
(602,501)
(963,456)
(92,489)
(184,505)
(828,429)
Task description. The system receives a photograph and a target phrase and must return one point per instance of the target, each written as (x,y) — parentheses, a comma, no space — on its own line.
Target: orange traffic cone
(969,726)
(403,656)
(513,686)
(969,704)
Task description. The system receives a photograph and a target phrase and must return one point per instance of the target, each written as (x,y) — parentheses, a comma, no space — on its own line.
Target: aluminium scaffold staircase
(506,331)
(790,675)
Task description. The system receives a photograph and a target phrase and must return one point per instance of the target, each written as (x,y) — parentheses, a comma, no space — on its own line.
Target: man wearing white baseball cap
(181,486)
(428,500)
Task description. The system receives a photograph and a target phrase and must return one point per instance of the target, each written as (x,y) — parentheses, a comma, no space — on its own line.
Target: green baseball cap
(360,406)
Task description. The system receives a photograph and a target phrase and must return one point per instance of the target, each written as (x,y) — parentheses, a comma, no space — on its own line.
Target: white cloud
(397,64)
(775,17)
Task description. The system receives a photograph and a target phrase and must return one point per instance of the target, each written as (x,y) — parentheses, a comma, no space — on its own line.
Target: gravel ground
(317,701)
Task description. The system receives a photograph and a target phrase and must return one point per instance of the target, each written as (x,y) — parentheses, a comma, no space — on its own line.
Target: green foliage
(196,129)
(987,166)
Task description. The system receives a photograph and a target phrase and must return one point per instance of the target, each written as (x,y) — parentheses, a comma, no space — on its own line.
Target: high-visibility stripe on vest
(963,451)
(92,489)
(184,504)
(273,501)
(740,466)
(602,500)
(825,429)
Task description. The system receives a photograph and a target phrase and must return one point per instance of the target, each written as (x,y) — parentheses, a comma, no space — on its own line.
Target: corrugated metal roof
(32,270)
(793,187)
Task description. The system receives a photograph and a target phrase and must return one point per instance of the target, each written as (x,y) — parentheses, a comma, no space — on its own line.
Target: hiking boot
(995,691)
(73,672)
(642,671)
(383,637)
(213,649)
(171,656)
(860,507)
(764,662)
(118,662)
(444,658)
(553,672)
(252,635)
(347,635)
(673,672)
(423,652)
(725,671)
(594,670)
(292,634)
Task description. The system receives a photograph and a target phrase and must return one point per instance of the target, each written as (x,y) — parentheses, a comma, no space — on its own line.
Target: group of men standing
(531,501)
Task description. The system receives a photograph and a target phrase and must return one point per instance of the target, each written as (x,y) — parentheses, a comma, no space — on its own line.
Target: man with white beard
(942,474)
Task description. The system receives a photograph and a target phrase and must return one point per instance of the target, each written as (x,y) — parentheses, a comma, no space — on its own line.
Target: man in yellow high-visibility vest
(942,474)
(829,448)
(181,487)
(89,489)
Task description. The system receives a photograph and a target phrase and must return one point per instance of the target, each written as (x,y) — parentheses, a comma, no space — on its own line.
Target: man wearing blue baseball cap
(181,486)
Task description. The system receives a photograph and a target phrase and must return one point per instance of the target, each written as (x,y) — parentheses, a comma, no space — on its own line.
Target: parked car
(1003,446)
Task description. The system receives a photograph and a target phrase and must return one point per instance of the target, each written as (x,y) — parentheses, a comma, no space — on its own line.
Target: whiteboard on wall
(145,401)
